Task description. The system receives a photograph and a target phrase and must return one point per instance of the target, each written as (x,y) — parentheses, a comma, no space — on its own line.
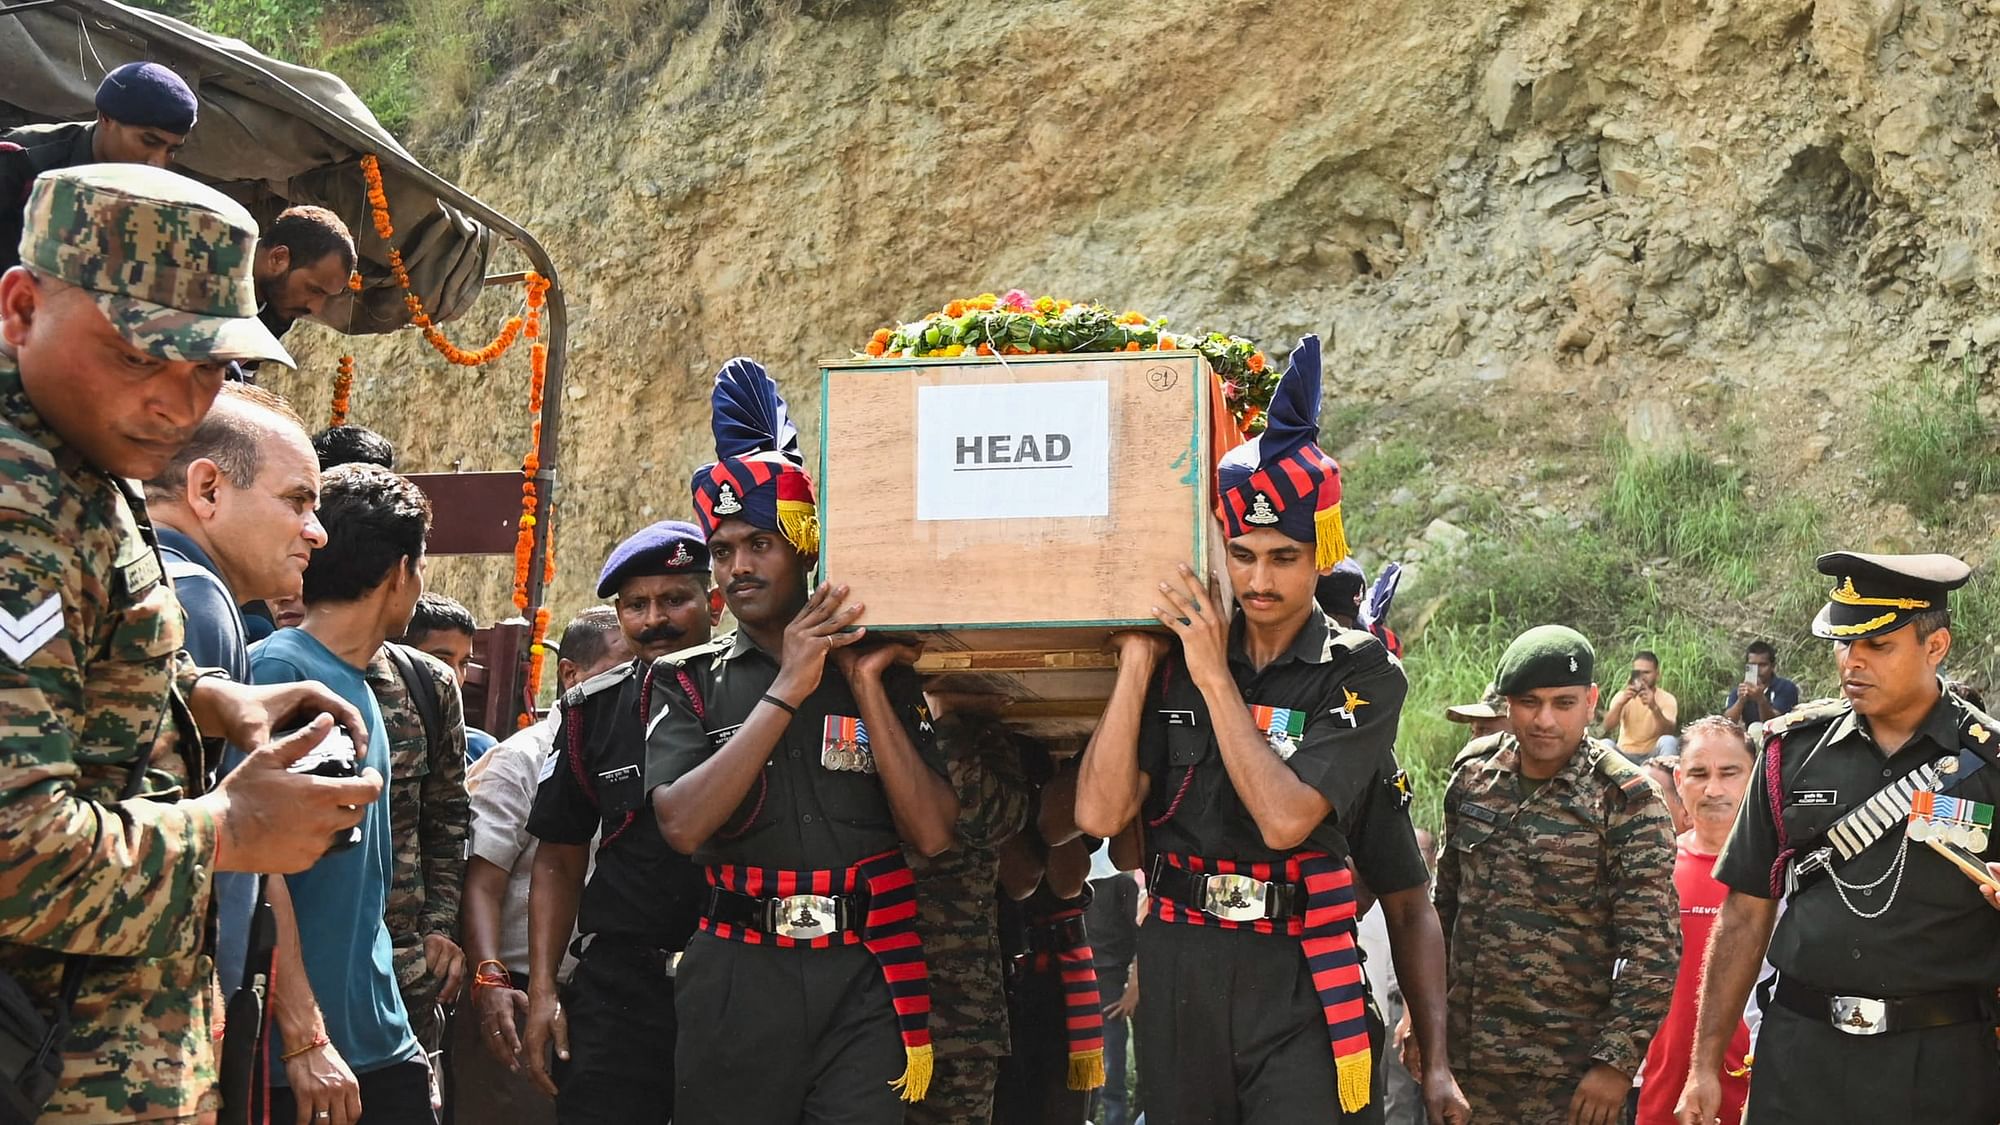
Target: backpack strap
(423,691)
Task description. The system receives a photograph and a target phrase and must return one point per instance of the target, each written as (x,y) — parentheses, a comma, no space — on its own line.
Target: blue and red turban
(758,475)
(1281,479)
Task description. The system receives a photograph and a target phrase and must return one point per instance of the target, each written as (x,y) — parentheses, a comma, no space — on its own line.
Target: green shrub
(1928,438)
(1686,508)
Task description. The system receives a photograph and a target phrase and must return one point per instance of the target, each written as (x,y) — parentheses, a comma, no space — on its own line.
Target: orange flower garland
(511,332)
(531,463)
(343,385)
(378,204)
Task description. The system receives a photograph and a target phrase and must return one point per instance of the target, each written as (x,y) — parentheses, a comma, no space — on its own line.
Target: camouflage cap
(167,259)
(1491,705)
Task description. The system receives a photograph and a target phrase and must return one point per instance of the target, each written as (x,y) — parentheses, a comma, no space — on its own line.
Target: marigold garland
(343,386)
(515,328)
(1016,324)
(378,205)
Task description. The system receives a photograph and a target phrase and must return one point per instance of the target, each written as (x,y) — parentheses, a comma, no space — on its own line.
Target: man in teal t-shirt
(343,1045)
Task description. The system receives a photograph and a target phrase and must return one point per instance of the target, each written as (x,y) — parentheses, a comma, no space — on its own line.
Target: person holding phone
(1887,955)
(1644,714)
(1763,695)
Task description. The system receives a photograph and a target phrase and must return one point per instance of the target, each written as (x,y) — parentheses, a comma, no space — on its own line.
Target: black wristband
(776,702)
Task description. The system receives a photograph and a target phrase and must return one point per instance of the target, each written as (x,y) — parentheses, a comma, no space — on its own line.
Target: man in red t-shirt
(1714,772)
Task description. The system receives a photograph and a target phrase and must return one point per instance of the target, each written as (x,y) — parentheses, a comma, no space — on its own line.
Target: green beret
(1546,656)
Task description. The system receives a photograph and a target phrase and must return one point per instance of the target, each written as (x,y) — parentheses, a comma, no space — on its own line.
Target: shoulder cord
(1774,790)
(1187,779)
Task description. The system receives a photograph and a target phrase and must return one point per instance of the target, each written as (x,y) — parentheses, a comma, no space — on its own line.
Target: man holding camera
(108,846)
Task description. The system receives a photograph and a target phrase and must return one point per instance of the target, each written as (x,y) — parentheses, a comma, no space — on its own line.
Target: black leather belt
(793,916)
(1863,1015)
(1057,936)
(1231,897)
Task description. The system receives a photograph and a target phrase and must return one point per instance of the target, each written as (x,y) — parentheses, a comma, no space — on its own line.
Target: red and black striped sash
(1083,1005)
(1326,930)
(889,932)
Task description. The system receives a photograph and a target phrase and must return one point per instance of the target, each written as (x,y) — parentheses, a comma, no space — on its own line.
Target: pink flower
(1018,301)
(1231,390)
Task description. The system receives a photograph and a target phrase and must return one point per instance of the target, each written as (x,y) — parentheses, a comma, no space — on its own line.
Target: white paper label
(1014,451)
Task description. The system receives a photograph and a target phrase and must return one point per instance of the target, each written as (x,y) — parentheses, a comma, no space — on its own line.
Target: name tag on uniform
(1178,718)
(1479,812)
(139,576)
(622,773)
(719,738)
(1815,796)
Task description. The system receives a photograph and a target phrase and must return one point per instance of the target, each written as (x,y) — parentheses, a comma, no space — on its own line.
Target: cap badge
(680,557)
(726,503)
(1260,511)
(1572,663)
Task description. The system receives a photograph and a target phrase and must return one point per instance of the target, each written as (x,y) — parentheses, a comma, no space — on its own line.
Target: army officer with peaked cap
(1887,954)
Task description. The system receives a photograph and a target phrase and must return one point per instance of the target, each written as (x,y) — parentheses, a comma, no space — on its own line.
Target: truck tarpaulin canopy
(270,133)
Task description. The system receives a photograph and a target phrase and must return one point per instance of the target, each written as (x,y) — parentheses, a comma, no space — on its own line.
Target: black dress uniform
(780,1033)
(1232,1028)
(1034,1078)
(637,911)
(26,153)
(1887,956)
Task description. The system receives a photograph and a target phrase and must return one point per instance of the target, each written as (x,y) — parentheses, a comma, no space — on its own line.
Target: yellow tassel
(1086,1070)
(916,1079)
(1355,1072)
(799,524)
(1331,546)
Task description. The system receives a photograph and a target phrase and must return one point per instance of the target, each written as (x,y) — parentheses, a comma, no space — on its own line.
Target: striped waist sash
(1325,929)
(888,931)
(1083,1006)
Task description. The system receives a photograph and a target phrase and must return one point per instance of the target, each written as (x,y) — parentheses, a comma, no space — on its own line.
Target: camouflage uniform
(959,918)
(90,635)
(1540,897)
(430,816)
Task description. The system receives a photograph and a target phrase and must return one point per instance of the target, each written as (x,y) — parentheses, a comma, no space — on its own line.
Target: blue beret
(667,547)
(145,93)
(1546,656)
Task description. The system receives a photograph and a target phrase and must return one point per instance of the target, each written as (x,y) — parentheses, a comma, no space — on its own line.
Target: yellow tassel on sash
(1086,1070)
(916,1079)
(799,524)
(1356,1073)
(1331,538)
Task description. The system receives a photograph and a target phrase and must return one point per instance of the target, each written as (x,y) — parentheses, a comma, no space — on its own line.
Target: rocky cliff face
(1565,217)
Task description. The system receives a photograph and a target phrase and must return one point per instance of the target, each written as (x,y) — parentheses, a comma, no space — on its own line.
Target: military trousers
(961,1093)
(1809,1071)
(777,1035)
(621,1012)
(1518,1099)
(1034,1079)
(1231,1031)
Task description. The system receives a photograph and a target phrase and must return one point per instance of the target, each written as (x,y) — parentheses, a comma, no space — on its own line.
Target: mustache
(742,584)
(659,633)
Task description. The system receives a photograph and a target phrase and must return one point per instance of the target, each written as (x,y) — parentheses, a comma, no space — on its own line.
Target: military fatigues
(90,635)
(1542,896)
(779,1033)
(26,153)
(430,816)
(88,654)
(1232,1028)
(637,910)
(958,917)
(1935,942)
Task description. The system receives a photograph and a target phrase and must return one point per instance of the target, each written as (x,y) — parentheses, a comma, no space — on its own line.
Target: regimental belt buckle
(802,916)
(1236,898)
(1860,1015)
